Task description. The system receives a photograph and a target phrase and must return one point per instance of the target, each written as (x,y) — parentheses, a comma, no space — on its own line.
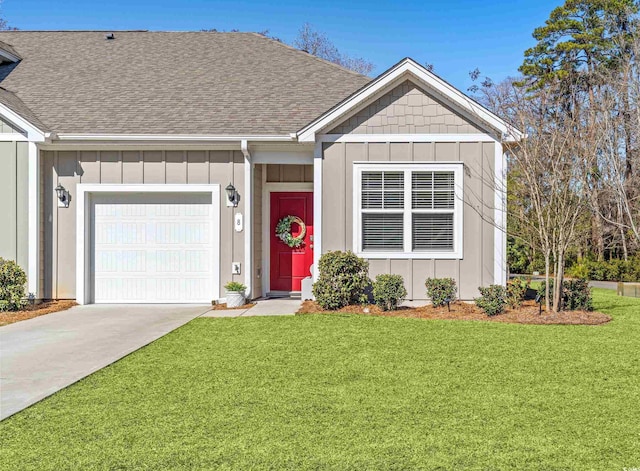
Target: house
(144,166)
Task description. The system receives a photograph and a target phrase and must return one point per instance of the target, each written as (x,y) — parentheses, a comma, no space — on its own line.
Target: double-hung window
(408,210)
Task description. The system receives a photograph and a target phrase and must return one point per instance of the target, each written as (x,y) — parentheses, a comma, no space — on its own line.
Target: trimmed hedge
(12,283)
(389,291)
(441,290)
(343,280)
(492,299)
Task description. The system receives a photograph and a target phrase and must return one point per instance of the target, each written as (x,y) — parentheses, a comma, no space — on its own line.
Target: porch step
(285,294)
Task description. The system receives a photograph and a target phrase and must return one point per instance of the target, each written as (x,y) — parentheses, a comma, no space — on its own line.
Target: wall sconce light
(63,196)
(232,196)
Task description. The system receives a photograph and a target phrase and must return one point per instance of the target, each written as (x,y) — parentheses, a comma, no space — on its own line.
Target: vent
(110,36)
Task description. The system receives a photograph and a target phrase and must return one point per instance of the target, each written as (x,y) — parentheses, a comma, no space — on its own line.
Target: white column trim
(248,218)
(317,208)
(33,270)
(500,219)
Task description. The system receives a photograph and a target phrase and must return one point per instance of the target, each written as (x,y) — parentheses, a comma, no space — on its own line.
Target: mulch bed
(223,306)
(29,312)
(526,314)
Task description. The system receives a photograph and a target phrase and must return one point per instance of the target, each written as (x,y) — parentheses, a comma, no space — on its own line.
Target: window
(408,210)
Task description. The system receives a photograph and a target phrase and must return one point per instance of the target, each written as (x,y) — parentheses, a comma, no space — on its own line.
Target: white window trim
(83,224)
(456,168)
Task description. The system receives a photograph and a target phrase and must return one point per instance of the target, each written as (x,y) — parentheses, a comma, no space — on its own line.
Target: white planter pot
(235,298)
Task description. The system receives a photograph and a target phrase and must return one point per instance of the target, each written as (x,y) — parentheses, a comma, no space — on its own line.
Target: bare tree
(318,44)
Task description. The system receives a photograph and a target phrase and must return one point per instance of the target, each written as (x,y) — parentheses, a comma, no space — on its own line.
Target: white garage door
(149,248)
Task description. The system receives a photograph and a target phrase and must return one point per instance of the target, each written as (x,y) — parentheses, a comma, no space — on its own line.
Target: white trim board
(407,167)
(33,134)
(409,69)
(365,138)
(500,219)
(33,271)
(171,137)
(317,208)
(83,225)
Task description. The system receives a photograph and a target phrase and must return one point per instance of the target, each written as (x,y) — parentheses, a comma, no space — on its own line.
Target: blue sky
(456,36)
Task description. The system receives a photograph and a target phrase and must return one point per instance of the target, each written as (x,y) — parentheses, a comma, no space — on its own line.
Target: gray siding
(14,194)
(258,272)
(476,267)
(278,173)
(72,167)
(407,109)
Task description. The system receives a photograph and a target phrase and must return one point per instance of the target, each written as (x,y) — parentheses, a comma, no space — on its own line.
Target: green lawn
(350,392)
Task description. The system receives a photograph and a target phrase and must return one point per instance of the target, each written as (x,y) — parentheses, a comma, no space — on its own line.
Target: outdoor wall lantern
(232,195)
(63,196)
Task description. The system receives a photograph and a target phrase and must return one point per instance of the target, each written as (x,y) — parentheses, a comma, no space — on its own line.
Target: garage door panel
(152,248)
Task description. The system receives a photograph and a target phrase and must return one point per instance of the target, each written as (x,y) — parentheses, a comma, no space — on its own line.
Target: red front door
(289,266)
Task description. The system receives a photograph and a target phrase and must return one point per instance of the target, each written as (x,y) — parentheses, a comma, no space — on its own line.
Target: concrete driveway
(43,355)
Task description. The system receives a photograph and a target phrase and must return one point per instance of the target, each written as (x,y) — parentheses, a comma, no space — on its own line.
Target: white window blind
(382,211)
(432,203)
(410,209)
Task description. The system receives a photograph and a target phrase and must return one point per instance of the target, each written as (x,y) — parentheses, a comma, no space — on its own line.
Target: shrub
(516,291)
(235,286)
(612,270)
(441,290)
(343,280)
(492,299)
(389,291)
(576,294)
(12,283)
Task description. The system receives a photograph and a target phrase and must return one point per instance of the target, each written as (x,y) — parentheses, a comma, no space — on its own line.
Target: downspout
(248,218)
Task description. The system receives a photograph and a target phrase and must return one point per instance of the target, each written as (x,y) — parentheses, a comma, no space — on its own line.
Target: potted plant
(235,293)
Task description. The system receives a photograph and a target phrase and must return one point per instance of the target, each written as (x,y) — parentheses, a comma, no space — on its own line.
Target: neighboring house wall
(407,109)
(476,268)
(70,168)
(14,194)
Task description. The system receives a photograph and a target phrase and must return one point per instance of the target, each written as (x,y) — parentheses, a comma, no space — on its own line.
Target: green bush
(389,291)
(441,290)
(576,295)
(516,291)
(235,287)
(492,299)
(343,280)
(12,283)
(611,270)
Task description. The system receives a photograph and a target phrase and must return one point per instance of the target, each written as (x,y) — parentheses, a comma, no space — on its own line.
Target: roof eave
(409,67)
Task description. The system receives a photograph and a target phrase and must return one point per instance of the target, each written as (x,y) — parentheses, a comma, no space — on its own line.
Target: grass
(351,392)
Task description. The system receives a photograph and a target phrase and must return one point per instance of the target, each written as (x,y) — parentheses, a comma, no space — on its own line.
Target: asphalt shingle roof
(169,83)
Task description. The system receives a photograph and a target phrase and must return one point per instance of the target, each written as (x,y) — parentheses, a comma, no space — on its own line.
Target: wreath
(283,231)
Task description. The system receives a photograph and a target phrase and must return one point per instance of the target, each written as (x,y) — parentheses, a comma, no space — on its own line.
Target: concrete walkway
(43,355)
(263,307)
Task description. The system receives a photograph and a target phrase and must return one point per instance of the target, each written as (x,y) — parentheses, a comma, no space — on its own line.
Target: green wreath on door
(283,231)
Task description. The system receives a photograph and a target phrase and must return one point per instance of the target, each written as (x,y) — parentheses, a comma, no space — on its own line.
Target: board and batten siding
(14,194)
(475,268)
(258,271)
(70,168)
